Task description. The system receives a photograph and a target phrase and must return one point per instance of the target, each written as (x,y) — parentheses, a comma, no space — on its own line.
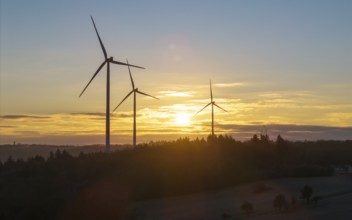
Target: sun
(182,119)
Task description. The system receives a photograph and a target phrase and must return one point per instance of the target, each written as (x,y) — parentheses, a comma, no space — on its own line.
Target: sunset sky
(286,65)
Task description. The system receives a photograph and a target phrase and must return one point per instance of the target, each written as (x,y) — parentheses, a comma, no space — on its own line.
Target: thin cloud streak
(23,117)
(102,115)
(89,113)
(175,93)
(227,85)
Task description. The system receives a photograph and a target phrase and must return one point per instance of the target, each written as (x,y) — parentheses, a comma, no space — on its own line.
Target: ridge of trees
(40,188)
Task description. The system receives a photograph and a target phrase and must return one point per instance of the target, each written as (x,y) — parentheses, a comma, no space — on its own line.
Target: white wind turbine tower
(107,61)
(134,91)
(212,103)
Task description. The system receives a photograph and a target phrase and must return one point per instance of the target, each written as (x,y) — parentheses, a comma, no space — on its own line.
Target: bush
(247,207)
(280,202)
(306,193)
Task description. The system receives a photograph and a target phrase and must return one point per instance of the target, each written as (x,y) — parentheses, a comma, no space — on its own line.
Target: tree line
(58,187)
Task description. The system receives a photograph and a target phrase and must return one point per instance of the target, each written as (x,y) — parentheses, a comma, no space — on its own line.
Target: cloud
(7,126)
(124,115)
(235,84)
(271,95)
(175,93)
(177,107)
(88,113)
(23,116)
(102,115)
(277,102)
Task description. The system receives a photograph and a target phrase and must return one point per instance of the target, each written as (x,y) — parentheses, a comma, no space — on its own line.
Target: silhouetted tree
(221,139)
(279,140)
(9,161)
(281,146)
(264,138)
(280,202)
(306,193)
(51,156)
(255,138)
(57,153)
(247,207)
(212,139)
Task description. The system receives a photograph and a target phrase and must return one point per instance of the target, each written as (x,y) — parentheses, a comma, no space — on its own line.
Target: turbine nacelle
(109,59)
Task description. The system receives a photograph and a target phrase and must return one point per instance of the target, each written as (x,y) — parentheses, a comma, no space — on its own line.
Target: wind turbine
(212,103)
(107,61)
(134,91)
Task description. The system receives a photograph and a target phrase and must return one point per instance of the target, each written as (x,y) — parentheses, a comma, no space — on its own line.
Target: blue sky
(293,56)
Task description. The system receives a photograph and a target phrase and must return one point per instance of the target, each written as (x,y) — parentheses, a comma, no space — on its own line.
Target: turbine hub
(110,59)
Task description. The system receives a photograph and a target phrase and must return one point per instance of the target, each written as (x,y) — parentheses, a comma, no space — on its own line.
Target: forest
(64,186)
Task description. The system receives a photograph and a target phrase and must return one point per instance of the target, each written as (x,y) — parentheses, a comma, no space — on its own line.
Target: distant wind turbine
(107,61)
(134,91)
(212,103)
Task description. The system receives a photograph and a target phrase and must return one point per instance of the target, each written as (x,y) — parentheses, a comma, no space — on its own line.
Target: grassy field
(336,202)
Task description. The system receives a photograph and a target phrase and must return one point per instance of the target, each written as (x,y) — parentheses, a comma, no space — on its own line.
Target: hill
(93,185)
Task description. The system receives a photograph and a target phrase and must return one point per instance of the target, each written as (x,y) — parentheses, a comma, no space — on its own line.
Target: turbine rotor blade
(101,43)
(123,100)
(211,92)
(129,71)
(121,63)
(220,107)
(202,109)
(96,72)
(142,93)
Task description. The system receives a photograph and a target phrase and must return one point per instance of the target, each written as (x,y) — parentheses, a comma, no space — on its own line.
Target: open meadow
(336,202)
